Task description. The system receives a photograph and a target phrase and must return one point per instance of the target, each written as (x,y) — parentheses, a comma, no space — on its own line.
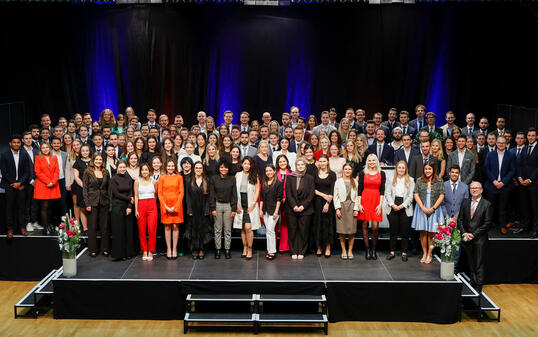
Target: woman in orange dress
(170,191)
(46,186)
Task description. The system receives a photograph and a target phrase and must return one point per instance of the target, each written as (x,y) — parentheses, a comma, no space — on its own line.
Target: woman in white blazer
(247,217)
(346,205)
(398,205)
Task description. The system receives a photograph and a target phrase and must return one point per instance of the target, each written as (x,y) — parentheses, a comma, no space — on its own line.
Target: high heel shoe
(367,254)
(249,250)
(243,255)
(374,254)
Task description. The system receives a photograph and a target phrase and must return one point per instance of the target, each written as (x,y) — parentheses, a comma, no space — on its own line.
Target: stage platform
(356,289)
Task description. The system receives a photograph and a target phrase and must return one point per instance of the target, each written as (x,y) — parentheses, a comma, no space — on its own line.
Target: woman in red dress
(370,195)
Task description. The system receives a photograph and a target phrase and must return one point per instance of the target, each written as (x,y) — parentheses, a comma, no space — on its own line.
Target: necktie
(530,149)
(518,151)
(425,159)
(470,133)
(420,124)
(244,152)
(473,207)
(501,132)
(453,188)
(379,149)
(405,130)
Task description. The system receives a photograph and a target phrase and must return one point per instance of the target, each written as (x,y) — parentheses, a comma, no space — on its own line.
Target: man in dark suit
(527,177)
(469,129)
(298,137)
(391,121)
(383,151)
(419,122)
(474,221)
(32,205)
(416,167)
(499,169)
(406,152)
(16,174)
(430,124)
(97,145)
(404,124)
(152,117)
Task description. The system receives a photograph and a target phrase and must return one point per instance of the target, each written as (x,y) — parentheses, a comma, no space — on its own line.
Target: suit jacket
(94,149)
(155,126)
(435,129)
(444,128)
(480,223)
(88,141)
(389,127)
(320,127)
(527,166)
(491,169)
(360,128)
(390,195)
(496,132)
(294,146)
(46,173)
(63,154)
(416,167)
(465,131)
(387,156)
(479,131)
(94,193)
(400,155)
(35,153)
(414,123)
(302,196)
(9,171)
(453,200)
(251,151)
(409,130)
(468,167)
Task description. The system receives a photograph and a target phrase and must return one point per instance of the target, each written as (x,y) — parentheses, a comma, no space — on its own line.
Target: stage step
(480,302)
(257,318)
(37,297)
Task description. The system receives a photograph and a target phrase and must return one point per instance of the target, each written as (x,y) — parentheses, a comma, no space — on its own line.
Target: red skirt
(369,201)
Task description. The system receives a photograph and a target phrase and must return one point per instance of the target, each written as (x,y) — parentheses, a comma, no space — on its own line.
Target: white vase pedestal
(70,267)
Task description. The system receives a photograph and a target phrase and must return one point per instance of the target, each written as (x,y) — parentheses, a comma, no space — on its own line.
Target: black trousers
(122,230)
(15,208)
(475,252)
(528,198)
(32,209)
(298,226)
(2,213)
(98,217)
(399,223)
(500,200)
(61,205)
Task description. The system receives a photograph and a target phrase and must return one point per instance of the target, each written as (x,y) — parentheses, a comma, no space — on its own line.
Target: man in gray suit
(455,192)
(245,147)
(56,144)
(324,124)
(464,159)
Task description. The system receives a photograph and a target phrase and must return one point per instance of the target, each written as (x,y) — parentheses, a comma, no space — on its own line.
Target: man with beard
(397,134)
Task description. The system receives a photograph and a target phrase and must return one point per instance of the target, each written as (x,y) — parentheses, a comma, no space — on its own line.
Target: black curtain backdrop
(63,59)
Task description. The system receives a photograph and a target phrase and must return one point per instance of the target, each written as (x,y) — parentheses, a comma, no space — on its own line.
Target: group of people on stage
(311,182)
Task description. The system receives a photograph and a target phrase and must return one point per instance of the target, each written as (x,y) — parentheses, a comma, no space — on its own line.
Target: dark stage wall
(63,59)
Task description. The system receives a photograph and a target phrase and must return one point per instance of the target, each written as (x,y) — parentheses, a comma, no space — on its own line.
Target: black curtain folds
(63,59)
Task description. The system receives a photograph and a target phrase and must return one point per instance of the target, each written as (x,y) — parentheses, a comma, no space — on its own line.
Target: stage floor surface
(283,268)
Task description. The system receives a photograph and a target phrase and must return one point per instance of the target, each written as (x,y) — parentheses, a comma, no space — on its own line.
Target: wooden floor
(519,304)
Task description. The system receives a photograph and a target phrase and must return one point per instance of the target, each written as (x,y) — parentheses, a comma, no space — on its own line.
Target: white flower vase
(447,271)
(69,265)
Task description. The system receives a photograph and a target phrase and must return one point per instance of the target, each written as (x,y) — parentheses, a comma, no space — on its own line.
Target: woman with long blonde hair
(436,150)
(398,207)
(370,199)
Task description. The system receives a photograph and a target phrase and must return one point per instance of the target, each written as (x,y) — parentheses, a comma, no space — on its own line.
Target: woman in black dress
(121,199)
(311,167)
(210,161)
(263,158)
(80,165)
(235,161)
(324,223)
(153,150)
(186,172)
(197,195)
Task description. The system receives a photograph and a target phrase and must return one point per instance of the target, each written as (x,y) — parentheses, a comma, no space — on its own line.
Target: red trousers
(147,218)
(283,229)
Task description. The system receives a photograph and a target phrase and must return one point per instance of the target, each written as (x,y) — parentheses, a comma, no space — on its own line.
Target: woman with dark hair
(223,205)
(80,165)
(282,171)
(171,193)
(311,123)
(291,156)
(178,144)
(110,160)
(140,146)
(310,161)
(225,144)
(167,152)
(235,160)
(145,196)
(248,215)
(198,209)
(121,199)
(335,138)
(270,202)
(323,225)
(201,143)
(429,195)
(132,165)
(186,165)
(152,151)
(97,201)
(299,208)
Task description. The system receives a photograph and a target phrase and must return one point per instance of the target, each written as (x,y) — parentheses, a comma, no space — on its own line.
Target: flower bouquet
(68,237)
(448,240)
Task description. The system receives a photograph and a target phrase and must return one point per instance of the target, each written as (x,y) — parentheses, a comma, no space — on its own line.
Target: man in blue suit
(383,151)
(406,152)
(500,169)
(15,166)
(455,192)
(527,177)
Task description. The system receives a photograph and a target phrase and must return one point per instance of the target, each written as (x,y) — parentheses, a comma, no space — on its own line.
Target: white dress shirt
(500,156)
(16,159)
(60,165)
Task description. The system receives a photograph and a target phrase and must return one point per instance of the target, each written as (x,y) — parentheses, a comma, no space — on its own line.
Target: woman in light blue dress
(429,194)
